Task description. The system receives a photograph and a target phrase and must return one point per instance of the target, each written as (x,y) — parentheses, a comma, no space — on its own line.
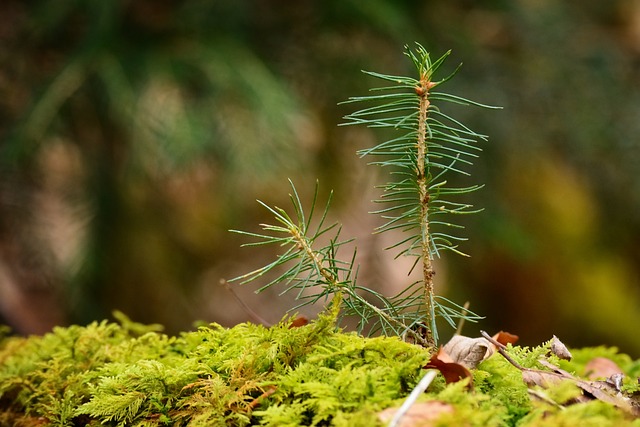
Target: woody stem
(422,180)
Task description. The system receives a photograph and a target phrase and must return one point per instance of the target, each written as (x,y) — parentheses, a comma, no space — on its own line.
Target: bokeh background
(135,133)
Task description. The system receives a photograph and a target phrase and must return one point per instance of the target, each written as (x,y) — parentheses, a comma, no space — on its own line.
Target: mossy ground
(121,374)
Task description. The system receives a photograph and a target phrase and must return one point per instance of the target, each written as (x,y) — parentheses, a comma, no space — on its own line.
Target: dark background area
(134,134)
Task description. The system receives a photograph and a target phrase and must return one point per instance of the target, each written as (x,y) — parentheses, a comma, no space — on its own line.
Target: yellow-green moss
(107,373)
(128,374)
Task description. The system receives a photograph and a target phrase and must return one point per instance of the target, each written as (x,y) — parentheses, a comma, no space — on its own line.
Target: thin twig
(255,402)
(501,349)
(463,315)
(543,397)
(252,314)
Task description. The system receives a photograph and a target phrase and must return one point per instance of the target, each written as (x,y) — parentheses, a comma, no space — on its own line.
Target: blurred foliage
(133,134)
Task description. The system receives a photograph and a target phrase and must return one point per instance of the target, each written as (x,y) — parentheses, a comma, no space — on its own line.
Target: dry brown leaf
(559,349)
(556,369)
(298,321)
(422,414)
(600,390)
(450,370)
(603,391)
(544,379)
(601,367)
(505,338)
(468,352)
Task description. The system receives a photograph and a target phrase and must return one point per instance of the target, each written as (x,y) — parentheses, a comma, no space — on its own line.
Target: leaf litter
(458,359)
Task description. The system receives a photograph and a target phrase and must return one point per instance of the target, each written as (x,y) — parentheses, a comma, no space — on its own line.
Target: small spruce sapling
(429,146)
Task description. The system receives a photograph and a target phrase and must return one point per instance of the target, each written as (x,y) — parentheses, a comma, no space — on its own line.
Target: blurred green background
(134,134)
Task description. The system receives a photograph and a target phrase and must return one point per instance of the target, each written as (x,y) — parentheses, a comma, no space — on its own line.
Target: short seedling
(429,146)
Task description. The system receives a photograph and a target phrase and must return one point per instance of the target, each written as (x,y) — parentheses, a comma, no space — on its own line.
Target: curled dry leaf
(559,349)
(615,381)
(463,353)
(468,352)
(450,370)
(422,414)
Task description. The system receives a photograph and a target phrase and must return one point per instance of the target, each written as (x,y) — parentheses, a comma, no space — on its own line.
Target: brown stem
(501,349)
(303,244)
(422,179)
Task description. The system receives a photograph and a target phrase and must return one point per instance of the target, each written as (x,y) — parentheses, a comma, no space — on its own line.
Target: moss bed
(121,374)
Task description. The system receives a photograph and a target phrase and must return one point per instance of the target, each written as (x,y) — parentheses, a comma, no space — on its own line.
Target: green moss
(501,380)
(471,408)
(591,414)
(127,374)
(108,373)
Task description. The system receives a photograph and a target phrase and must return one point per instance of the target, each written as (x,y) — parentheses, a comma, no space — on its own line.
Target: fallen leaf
(615,381)
(298,321)
(556,369)
(505,338)
(600,390)
(559,349)
(450,370)
(468,352)
(606,393)
(422,414)
(544,379)
(601,367)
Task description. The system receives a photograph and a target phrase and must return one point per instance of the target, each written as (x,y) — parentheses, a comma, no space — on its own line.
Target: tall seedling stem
(422,170)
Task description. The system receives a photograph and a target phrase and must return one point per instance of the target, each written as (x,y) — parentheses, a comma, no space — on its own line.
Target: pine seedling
(314,271)
(430,146)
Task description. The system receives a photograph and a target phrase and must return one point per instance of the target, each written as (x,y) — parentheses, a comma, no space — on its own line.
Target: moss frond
(316,374)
